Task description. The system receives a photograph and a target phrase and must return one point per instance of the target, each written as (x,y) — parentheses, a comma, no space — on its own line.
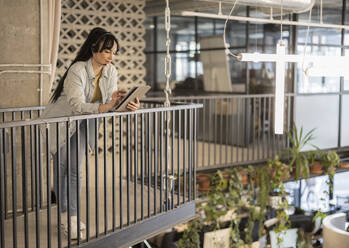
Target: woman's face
(105,56)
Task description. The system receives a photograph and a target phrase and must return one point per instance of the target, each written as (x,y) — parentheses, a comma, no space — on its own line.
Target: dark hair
(95,38)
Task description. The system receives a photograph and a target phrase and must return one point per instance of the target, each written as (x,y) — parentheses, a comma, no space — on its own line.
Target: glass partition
(319,112)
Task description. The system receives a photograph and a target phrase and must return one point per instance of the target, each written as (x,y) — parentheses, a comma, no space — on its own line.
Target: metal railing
(232,129)
(237,129)
(139,179)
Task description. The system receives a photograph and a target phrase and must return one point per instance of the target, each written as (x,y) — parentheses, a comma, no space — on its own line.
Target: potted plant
(191,237)
(298,158)
(329,161)
(222,209)
(277,186)
(315,164)
(203,182)
(344,165)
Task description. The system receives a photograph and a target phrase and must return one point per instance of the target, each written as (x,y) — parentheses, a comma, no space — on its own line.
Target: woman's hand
(133,106)
(118,95)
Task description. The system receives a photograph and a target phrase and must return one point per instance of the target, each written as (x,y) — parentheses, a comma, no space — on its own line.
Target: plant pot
(289,238)
(344,165)
(244,177)
(300,173)
(275,201)
(316,168)
(218,239)
(203,182)
(285,173)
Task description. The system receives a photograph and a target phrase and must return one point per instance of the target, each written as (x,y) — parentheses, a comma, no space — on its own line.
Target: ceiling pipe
(288,6)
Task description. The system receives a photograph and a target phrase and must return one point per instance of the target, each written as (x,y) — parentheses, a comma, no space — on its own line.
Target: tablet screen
(138,91)
(126,97)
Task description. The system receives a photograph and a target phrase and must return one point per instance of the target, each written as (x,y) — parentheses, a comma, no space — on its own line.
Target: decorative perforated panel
(124,18)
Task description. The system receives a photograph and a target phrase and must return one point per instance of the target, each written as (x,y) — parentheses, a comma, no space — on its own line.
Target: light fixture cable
(306,41)
(256,31)
(281,22)
(224,32)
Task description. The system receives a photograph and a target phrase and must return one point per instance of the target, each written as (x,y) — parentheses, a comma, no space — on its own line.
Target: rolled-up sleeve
(74,87)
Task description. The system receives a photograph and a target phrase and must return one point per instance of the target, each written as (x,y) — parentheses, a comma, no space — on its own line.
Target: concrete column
(20,44)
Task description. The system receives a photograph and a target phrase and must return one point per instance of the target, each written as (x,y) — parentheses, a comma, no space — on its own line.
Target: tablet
(138,91)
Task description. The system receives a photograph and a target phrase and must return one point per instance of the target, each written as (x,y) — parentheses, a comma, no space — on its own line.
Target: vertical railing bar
(273,135)
(128,162)
(77,122)
(197,127)
(259,128)
(135,166)
(178,158)
(149,160)
(32,166)
(253,128)
(263,129)
(58,191)
(155,158)
(172,159)
(190,150)
(121,164)
(87,181)
(203,133)
(221,130)
(2,201)
(270,149)
(113,172)
(237,130)
(68,179)
(48,164)
(166,167)
(22,115)
(214,133)
(261,133)
(209,133)
(232,130)
(5,172)
(40,169)
(14,185)
(184,153)
(142,166)
(195,150)
(105,175)
(13,114)
(96,178)
(226,128)
(288,118)
(161,159)
(245,126)
(36,133)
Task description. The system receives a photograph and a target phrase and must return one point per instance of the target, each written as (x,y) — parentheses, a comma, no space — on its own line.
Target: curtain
(50,28)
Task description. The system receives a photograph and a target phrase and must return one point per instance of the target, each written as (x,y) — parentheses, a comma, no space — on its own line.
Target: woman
(89,86)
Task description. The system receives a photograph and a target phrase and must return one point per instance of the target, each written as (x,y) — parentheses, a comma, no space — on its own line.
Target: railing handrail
(92,116)
(223,96)
(31,108)
(158,99)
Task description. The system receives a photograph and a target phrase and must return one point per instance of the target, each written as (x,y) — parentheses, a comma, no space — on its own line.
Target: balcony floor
(92,232)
